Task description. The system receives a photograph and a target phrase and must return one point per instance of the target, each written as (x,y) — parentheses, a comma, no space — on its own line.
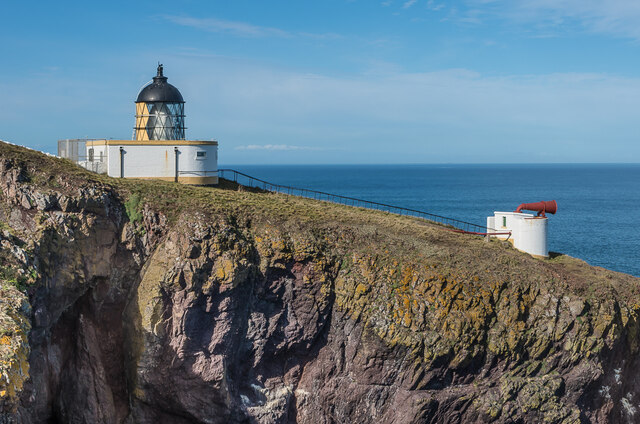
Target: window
(91,154)
(201,155)
(504,221)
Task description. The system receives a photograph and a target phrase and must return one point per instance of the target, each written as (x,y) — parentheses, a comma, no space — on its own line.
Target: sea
(598,217)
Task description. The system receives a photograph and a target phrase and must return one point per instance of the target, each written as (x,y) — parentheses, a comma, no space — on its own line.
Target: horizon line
(427,163)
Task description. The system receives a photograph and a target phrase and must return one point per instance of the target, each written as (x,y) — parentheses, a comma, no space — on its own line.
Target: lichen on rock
(14,344)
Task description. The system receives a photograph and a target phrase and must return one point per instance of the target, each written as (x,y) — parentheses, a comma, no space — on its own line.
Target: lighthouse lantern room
(159,111)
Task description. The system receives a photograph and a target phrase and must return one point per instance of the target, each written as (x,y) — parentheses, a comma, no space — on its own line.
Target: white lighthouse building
(158,150)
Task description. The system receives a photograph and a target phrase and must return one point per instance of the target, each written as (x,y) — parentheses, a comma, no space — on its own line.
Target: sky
(335,81)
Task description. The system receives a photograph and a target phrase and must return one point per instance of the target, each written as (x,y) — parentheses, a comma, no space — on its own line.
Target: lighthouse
(159,149)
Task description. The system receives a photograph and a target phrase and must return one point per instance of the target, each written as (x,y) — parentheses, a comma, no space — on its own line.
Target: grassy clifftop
(372,231)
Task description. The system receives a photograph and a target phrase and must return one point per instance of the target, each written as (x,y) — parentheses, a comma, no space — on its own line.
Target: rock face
(258,308)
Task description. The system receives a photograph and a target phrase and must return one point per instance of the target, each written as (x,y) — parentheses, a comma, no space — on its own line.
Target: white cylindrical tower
(532,235)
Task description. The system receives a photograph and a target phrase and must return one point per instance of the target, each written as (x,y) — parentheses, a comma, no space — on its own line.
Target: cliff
(146,302)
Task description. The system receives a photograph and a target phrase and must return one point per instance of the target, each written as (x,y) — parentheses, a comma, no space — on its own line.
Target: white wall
(532,236)
(159,161)
(528,232)
(98,163)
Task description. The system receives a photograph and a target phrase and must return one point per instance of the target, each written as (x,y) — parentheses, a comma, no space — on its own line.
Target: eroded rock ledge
(225,306)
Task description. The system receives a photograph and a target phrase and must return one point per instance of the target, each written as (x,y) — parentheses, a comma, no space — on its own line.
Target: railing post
(176,152)
(121,162)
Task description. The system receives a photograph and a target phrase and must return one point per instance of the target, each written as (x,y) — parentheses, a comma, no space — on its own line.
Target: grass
(9,271)
(132,207)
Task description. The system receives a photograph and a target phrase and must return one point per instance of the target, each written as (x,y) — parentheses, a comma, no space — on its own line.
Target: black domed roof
(160,91)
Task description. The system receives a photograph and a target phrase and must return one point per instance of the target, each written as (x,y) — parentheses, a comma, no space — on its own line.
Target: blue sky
(336,81)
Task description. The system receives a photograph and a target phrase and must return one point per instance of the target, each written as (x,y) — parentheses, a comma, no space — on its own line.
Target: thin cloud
(613,17)
(279,147)
(236,28)
(244,29)
(431,5)
(407,4)
(325,36)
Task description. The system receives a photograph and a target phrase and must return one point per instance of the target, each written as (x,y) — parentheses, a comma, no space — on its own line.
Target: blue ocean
(598,218)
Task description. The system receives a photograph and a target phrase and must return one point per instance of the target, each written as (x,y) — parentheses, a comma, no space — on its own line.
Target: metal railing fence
(459,225)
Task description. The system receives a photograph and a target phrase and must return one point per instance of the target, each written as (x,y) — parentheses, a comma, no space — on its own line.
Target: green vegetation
(9,273)
(9,276)
(132,206)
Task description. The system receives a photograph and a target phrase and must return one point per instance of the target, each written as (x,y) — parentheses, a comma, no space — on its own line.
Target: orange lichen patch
(406,303)
(14,345)
(278,245)
(406,319)
(361,289)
